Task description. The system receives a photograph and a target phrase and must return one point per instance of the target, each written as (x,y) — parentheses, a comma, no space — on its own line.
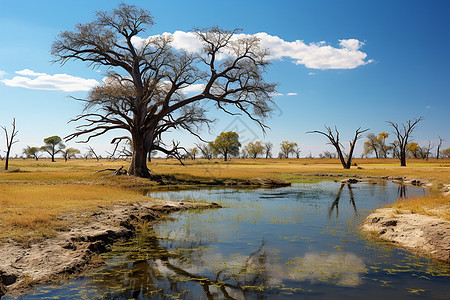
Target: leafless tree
(425,151)
(439,147)
(333,137)
(403,133)
(10,140)
(144,93)
(268,149)
(206,150)
(92,153)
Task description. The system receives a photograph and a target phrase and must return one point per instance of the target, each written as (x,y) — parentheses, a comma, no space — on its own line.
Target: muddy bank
(73,251)
(420,234)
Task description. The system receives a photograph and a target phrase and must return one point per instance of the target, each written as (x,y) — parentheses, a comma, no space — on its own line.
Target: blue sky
(405,72)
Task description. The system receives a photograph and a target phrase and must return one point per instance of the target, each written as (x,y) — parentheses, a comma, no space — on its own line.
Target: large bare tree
(144,92)
(403,133)
(333,137)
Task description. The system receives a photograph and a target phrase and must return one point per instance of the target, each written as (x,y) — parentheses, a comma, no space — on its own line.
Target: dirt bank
(420,234)
(71,251)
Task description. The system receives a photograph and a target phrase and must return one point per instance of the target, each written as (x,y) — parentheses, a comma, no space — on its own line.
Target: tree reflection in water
(335,204)
(154,271)
(149,270)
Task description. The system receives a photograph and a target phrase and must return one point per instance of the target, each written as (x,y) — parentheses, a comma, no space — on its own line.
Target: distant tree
(193,152)
(207,150)
(287,148)
(376,144)
(384,148)
(53,145)
(425,151)
(395,147)
(403,133)
(445,153)
(438,148)
(226,144)
(32,152)
(297,152)
(70,153)
(92,153)
(244,153)
(268,149)
(371,145)
(334,140)
(327,154)
(10,140)
(413,150)
(254,149)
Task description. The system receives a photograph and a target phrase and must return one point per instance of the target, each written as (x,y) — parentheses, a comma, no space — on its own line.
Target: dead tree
(10,140)
(92,152)
(403,133)
(333,137)
(439,147)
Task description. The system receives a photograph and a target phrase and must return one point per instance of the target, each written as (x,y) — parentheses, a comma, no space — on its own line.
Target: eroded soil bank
(420,234)
(72,251)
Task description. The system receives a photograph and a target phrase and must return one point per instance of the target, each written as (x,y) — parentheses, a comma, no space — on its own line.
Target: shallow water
(299,241)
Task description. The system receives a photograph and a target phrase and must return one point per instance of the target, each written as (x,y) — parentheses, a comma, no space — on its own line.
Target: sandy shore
(71,251)
(420,234)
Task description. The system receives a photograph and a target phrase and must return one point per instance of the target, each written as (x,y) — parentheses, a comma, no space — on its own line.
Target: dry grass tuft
(437,205)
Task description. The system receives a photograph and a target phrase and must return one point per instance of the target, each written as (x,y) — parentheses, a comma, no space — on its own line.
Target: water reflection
(263,244)
(205,274)
(335,204)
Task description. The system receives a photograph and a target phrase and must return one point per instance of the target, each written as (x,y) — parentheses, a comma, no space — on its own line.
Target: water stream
(295,242)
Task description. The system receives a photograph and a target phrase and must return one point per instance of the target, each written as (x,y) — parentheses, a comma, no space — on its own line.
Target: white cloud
(2,73)
(318,55)
(28,72)
(275,94)
(194,88)
(291,94)
(311,73)
(42,81)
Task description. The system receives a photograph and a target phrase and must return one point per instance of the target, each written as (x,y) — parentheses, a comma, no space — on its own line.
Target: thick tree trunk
(403,158)
(138,166)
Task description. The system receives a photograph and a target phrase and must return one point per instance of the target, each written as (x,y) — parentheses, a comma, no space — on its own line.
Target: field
(34,193)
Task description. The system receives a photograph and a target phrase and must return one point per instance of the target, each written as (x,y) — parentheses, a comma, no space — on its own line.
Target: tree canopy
(53,145)
(226,144)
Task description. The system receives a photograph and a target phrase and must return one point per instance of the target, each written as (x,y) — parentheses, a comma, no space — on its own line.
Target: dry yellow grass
(36,192)
(437,205)
(31,211)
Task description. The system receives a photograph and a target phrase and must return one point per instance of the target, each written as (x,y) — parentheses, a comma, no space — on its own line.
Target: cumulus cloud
(42,81)
(318,55)
(2,73)
(291,94)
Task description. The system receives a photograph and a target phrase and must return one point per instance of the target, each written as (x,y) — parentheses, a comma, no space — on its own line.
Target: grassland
(34,193)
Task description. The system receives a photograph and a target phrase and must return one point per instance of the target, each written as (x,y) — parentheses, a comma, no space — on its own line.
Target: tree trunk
(403,158)
(138,166)
(7,160)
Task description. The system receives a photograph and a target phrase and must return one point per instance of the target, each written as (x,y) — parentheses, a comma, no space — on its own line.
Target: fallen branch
(115,171)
